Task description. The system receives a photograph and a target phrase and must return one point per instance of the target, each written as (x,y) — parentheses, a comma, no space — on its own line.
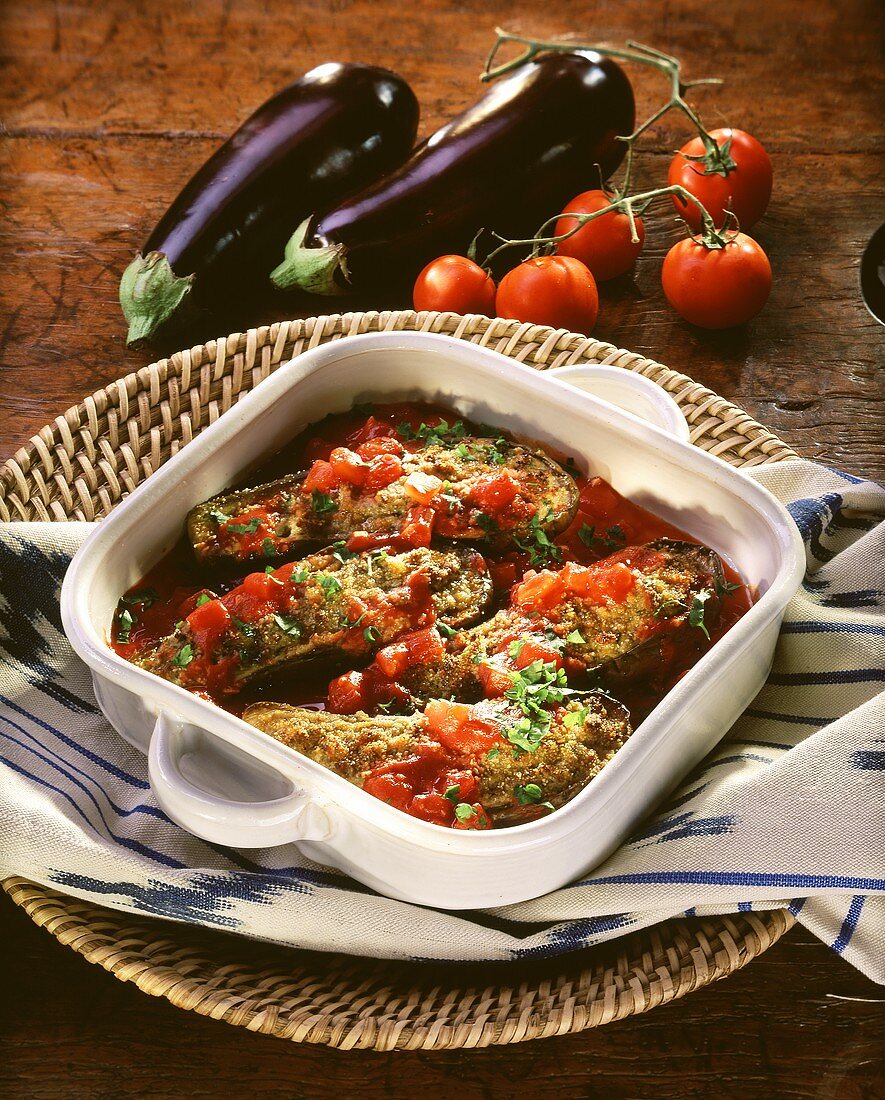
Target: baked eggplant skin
(328,605)
(327,135)
(278,519)
(583,736)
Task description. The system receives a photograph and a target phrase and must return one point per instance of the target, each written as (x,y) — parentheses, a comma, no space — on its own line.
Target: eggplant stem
(316,270)
(150,292)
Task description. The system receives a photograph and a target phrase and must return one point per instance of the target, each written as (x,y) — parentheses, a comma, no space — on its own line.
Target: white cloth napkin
(788,811)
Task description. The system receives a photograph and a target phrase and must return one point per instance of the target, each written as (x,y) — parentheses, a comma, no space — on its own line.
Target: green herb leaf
(492,753)
(217,516)
(724,587)
(329,584)
(248,630)
(696,613)
(575,637)
(537,543)
(486,522)
(322,503)
(299,575)
(341,553)
(288,625)
(145,597)
(453,794)
(125,622)
(613,539)
(245,528)
(529,794)
(372,634)
(184,656)
(268,548)
(203,598)
(464,811)
(446,630)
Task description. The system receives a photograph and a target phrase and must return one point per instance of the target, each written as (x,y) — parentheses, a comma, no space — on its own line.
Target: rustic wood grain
(106,109)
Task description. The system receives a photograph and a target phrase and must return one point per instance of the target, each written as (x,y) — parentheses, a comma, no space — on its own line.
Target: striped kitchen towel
(788,811)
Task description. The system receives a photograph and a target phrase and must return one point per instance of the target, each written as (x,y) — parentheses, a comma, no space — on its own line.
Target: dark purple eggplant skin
(326,136)
(509,162)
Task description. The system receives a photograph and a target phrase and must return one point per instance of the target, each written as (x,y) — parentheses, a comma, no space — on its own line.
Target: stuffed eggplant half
(450,618)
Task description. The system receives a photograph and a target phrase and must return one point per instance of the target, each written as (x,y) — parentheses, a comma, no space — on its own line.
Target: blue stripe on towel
(812,626)
(798,880)
(849,924)
(71,743)
(840,676)
(795,719)
(133,845)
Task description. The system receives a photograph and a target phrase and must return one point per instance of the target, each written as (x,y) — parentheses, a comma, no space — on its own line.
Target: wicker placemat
(81,465)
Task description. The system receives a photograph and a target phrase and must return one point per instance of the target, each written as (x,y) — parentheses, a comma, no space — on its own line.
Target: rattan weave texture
(81,465)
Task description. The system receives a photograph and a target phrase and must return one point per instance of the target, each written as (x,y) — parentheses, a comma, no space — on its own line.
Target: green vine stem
(631,205)
(715,159)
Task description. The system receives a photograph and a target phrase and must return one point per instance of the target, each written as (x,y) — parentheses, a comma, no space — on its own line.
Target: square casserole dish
(227,782)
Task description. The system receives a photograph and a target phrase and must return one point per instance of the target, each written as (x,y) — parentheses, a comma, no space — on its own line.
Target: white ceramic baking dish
(229,783)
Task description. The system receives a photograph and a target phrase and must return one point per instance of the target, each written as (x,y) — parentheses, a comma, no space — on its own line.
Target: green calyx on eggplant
(326,136)
(507,163)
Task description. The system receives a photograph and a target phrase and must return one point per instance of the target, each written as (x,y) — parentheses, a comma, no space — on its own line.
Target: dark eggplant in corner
(509,162)
(326,136)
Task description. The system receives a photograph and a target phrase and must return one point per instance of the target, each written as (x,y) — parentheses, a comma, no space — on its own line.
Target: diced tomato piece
(394,789)
(422,647)
(533,649)
(219,675)
(261,586)
(461,778)
(417,528)
(383,445)
(599,585)
(599,499)
(618,582)
(539,591)
(348,467)
(444,717)
(493,494)
(384,469)
(372,429)
(475,736)
(495,681)
(432,807)
(347,694)
(478,820)
(422,487)
(208,622)
(321,477)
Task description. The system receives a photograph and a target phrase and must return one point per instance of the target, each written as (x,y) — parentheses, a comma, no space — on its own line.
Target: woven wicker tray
(81,465)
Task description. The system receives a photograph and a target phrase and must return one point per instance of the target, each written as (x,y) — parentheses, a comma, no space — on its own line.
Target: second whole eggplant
(325,136)
(507,163)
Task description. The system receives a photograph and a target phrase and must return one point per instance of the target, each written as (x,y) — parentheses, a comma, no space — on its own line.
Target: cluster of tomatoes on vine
(716,278)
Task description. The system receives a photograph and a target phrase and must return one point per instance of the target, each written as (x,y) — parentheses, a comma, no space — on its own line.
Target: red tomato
(550,290)
(534,650)
(745,188)
(495,494)
(457,284)
(604,245)
(321,477)
(348,466)
(383,470)
(539,591)
(346,694)
(417,528)
(717,287)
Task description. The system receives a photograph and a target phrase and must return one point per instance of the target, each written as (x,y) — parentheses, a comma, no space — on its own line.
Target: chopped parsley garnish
(437,433)
(299,575)
(492,753)
(245,528)
(184,656)
(531,795)
(574,717)
(462,453)
(537,543)
(696,613)
(494,454)
(446,630)
(464,811)
(534,688)
(125,622)
(203,597)
(145,598)
(724,587)
(575,637)
(372,634)
(246,629)
(515,648)
(613,539)
(329,584)
(217,516)
(268,548)
(486,522)
(288,625)
(453,794)
(341,553)
(322,503)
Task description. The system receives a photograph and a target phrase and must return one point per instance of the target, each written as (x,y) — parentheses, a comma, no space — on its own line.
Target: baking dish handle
(220,819)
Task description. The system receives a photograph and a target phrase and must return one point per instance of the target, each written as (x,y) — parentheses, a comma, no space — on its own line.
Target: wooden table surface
(107,108)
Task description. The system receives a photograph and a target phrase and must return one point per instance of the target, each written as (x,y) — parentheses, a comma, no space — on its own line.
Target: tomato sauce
(363,448)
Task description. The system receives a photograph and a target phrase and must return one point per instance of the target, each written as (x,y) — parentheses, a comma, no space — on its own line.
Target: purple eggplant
(323,137)
(507,163)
